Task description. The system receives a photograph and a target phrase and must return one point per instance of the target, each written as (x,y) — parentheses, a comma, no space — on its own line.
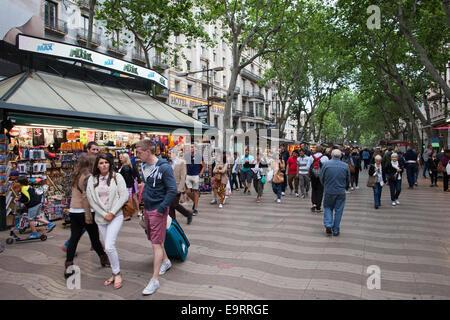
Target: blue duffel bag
(176,243)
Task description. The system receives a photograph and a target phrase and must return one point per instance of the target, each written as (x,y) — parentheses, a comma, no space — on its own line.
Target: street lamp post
(183,74)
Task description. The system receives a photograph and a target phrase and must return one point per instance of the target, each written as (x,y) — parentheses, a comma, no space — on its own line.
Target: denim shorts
(34,212)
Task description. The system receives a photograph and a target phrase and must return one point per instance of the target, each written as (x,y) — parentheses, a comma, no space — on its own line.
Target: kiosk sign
(72,52)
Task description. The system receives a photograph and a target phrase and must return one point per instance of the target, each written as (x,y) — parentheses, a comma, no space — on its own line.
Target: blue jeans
(334,202)
(396,188)
(377,194)
(411,171)
(425,169)
(276,187)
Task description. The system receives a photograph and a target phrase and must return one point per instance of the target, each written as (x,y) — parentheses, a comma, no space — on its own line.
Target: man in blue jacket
(335,177)
(159,191)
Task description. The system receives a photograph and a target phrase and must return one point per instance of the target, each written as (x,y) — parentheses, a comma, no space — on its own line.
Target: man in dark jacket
(159,191)
(285,156)
(411,166)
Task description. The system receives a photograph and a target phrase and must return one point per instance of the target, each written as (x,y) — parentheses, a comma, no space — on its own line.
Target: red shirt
(292,162)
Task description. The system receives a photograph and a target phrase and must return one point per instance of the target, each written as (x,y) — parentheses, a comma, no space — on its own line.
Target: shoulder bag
(372,181)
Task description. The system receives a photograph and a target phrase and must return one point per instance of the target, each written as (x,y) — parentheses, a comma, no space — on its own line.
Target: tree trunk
(423,57)
(92,4)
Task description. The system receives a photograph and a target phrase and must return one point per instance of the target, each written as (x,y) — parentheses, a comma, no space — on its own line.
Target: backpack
(316,166)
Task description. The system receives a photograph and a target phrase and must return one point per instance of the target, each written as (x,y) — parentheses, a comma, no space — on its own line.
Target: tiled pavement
(262,251)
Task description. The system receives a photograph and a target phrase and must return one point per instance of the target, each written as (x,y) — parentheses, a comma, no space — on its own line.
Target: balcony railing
(250,75)
(82,36)
(237,90)
(138,56)
(115,48)
(158,63)
(237,113)
(57,26)
(245,93)
(250,114)
(268,118)
(256,95)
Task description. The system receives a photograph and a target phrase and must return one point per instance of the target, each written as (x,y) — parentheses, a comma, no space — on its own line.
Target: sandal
(118,284)
(109,281)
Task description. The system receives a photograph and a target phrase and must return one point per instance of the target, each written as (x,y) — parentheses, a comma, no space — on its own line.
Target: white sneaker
(164,267)
(352,188)
(394,204)
(397,202)
(347,191)
(296,195)
(152,286)
(278,201)
(213,201)
(283,194)
(220,206)
(357,188)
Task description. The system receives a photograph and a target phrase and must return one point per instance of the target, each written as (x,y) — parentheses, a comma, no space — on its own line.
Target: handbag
(440,167)
(263,179)
(372,181)
(352,168)
(278,178)
(128,209)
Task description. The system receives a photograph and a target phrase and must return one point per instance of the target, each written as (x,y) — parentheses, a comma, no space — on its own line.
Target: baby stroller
(21,223)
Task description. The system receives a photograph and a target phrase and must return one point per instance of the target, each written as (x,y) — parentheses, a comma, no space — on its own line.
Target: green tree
(253,29)
(152,22)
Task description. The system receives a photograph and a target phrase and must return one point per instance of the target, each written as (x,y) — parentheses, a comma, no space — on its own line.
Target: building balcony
(245,93)
(57,27)
(158,63)
(250,114)
(256,95)
(238,113)
(250,75)
(138,57)
(116,49)
(237,90)
(82,36)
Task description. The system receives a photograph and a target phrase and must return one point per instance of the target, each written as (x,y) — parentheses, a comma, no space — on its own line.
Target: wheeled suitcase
(176,244)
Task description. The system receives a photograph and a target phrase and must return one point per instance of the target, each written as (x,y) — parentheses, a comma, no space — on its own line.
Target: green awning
(42,98)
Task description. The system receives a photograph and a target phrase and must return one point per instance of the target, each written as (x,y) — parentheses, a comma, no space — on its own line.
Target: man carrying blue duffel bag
(159,190)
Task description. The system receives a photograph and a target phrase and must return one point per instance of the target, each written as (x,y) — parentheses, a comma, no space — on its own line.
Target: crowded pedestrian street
(266,250)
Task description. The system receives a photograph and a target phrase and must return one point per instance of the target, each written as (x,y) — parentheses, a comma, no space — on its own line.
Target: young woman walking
(376,169)
(393,172)
(107,193)
(81,216)
(221,179)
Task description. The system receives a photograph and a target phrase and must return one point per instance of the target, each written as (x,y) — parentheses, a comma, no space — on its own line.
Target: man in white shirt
(304,162)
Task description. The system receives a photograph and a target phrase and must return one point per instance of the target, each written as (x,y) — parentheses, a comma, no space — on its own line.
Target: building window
(177,85)
(188,65)
(224,81)
(253,68)
(253,89)
(214,56)
(215,76)
(85,22)
(189,89)
(204,92)
(223,62)
(50,13)
(243,85)
(176,39)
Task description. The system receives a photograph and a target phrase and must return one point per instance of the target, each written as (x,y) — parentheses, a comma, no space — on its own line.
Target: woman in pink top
(107,193)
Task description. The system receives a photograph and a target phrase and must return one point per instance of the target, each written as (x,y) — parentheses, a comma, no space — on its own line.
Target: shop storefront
(53,109)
